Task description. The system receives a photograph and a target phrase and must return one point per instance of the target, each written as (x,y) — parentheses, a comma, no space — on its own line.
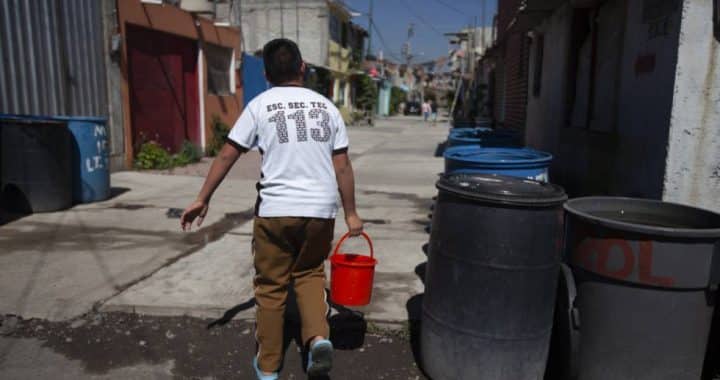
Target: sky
(431,18)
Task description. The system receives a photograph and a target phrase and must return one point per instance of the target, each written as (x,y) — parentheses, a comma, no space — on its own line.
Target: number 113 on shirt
(321,134)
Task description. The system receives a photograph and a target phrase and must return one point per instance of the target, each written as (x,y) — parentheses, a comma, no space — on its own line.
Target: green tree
(366,92)
(397,96)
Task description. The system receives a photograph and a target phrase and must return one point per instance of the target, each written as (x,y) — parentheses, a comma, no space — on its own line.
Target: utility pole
(297,21)
(407,54)
(482,25)
(473,45)
(370,28)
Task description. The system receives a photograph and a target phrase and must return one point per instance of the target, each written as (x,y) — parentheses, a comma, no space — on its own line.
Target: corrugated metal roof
(53,60)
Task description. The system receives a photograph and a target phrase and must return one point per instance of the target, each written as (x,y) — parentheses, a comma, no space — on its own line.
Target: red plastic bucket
(351,278)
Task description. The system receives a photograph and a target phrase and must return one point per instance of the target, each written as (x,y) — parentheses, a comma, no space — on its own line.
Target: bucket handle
(347,235)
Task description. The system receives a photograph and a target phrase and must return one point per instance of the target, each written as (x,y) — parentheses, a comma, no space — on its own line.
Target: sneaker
(320,358)
(260,375)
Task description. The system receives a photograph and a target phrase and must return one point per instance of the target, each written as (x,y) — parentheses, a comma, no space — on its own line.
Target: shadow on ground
(414,310)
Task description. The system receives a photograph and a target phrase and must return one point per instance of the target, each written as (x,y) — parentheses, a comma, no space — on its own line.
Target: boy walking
(304,147)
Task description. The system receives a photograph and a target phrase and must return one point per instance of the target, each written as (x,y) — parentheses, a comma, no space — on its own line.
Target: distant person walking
(426,110)
(304,147)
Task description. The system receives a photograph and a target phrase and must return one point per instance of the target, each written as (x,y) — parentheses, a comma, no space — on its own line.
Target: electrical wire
(421,19)
(384,44)
(451,7)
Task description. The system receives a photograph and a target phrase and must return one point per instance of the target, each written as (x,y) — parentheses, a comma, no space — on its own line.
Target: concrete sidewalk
(395,171)
(126,254)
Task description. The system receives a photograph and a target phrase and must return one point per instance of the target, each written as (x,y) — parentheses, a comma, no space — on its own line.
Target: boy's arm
(346,186)
(219,168)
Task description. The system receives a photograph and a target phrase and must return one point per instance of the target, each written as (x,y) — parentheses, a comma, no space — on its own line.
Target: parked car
(413,108)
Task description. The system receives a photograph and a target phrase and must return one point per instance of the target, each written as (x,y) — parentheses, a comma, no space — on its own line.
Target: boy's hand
(197,209)
(355,224)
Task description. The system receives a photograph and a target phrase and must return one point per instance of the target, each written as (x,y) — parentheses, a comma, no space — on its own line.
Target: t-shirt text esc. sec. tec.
(297,131)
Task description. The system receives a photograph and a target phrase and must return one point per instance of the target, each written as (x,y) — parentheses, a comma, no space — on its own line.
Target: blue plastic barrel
(472,123)
(516,162)
(91,171)
(485,137)
(463,124)
(467,131)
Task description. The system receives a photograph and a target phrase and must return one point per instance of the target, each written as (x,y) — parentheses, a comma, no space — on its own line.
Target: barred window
(220,71)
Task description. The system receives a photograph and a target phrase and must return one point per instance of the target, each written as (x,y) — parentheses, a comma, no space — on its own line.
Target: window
(538,65)
(335,26)
(344,37)
(341,93)
(220,69)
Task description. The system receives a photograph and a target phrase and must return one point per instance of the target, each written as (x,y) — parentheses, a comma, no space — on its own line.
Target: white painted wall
(264,20)
(692,175)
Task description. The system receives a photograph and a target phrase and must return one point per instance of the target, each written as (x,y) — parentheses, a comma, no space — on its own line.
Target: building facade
(179,73)
(625,95)
(330,43)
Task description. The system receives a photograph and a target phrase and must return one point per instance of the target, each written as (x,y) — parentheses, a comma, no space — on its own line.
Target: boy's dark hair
(282,60)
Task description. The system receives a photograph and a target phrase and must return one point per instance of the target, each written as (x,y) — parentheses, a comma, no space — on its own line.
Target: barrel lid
(502,189)
(28,119)
(484,155)
(91,119)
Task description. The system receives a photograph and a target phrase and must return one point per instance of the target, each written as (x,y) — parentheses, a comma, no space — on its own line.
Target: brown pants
(289,249)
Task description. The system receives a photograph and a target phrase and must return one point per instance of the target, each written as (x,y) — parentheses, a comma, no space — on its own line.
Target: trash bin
(36,164)
(646,276)
(491,277)
(463,124)
(91,168)
(484,137)
(472,123)
(516,162)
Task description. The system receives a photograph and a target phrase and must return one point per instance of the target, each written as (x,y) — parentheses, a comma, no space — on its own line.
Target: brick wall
(516,79)
(514,47)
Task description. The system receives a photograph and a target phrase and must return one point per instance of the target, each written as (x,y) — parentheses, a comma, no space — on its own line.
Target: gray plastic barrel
(36,164)
(491,277)
(646,273)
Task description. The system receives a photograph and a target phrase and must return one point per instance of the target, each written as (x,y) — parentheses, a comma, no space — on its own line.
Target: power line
(451,7)
(421,19)
(384,44)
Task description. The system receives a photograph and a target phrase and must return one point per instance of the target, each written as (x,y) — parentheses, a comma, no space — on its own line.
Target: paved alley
(126,261)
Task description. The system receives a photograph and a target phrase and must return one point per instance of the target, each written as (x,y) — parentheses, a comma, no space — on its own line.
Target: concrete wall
(619,148)
(644,104)
(692,175)
(547,111)
(338,57)
(264,20)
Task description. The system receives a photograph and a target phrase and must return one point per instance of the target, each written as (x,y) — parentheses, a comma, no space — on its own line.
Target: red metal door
(163,81)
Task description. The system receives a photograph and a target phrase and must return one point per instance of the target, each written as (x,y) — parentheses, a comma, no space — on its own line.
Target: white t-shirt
(297,130)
